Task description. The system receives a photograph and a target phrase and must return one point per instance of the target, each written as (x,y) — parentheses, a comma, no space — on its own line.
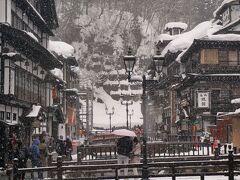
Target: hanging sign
(203,99)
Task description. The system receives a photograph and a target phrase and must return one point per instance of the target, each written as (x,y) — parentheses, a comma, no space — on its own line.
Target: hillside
(102,30)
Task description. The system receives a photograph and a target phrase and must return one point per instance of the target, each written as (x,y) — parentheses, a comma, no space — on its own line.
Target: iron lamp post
(110,117)
(127,104)
(130,61)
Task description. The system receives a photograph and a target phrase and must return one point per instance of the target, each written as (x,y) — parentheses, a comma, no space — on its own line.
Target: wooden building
(202,78)
(27,89)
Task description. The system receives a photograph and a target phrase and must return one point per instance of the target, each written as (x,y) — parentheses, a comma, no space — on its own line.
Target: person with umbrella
(124,146)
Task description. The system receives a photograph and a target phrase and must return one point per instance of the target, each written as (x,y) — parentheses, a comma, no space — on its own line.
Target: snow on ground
(119,118)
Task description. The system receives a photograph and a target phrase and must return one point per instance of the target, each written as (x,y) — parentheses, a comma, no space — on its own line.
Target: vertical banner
(71,115)
(203,99)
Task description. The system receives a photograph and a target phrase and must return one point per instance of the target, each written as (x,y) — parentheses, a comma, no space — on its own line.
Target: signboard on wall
(203,99)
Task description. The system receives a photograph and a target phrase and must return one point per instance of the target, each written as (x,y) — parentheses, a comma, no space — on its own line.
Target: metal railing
(227,166)
(154,149)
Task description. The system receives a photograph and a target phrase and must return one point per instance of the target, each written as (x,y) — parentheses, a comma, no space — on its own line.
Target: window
(209,56)
(1,115)
(14,117)
(8,116)
(235,12)
(226,16)
(233,57)
(223,57)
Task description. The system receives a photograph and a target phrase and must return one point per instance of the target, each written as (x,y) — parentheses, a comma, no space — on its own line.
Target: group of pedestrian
(129,151)
(64,147)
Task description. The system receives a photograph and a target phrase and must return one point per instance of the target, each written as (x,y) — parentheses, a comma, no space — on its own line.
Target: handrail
(228,164)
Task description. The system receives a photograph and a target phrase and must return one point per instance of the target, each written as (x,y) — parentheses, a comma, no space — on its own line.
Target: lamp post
(130,118)
(129,62)
(127,104)
(110,117)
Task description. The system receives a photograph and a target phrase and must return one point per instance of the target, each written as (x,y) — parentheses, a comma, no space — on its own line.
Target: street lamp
(126,103)
(130,115)
(158,61)
(110,116)
(129,62)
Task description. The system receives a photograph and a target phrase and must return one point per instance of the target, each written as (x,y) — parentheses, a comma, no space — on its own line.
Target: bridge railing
(228,166)
(154,149)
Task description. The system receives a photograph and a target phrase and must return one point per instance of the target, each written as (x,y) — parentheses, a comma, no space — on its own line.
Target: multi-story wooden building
(168,78)
(26,91)
(70,99)
(206,74)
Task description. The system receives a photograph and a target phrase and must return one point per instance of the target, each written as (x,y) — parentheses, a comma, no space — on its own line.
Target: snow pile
(35,111)
(235,101)
(57,72)
(180,25)
(184,41)
(61,48)
(166,37)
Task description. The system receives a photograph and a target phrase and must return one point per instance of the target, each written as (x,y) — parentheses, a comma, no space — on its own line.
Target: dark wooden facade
(25,62)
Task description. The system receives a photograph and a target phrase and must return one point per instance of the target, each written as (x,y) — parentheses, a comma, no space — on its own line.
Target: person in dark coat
(69,148)
(22,154)
(124,148)
(35,155)
(61,147)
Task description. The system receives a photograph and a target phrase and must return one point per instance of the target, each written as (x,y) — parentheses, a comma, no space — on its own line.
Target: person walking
(35,155)
(124,147)
(69,149)
(136,154)
(22,154)
(43,152)
(61,147)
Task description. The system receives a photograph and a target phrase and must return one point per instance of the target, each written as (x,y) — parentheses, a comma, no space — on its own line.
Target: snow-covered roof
(31,35)
(224,37)
(126,92)
(166,37)
(34,9)
(195,74)
(180,25)
(235,101)
(61,48)
(58,73)
(237,111)
(76,69)
(35,111)
(224,3)
(10,54)
(228,26)
(108,82)
(72,90)
(185,40)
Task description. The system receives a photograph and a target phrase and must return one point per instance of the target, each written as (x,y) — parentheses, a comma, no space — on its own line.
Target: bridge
(164,160)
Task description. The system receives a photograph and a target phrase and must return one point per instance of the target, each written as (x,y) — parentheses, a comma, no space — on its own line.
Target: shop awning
(9,123)
(35,111)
